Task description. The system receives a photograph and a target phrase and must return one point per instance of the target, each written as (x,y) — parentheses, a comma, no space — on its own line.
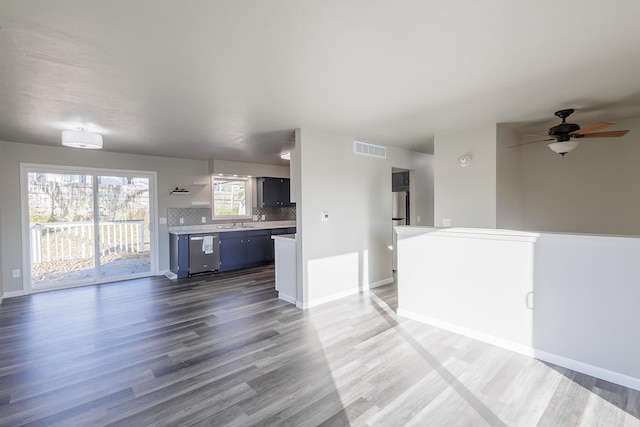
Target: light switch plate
(15,273)
(204,219)
(181,220)
(163,220)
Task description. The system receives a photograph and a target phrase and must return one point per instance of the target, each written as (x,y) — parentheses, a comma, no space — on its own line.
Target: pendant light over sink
(81,139)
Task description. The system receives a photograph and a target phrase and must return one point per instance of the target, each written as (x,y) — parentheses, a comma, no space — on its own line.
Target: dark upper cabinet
(400,181)
(274,192)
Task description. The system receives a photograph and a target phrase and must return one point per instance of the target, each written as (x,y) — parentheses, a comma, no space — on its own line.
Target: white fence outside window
(57,241)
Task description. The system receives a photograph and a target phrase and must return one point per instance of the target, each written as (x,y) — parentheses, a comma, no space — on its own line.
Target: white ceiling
(232,79)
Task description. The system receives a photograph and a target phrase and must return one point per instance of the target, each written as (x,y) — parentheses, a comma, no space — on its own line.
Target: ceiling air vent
(367,149)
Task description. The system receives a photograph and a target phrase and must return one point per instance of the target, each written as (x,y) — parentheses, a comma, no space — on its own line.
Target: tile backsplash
(193,216)
(276,214)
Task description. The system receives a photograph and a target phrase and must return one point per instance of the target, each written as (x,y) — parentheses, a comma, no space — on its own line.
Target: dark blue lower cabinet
(257,248)
(233,250)
(179,254)
(241,249)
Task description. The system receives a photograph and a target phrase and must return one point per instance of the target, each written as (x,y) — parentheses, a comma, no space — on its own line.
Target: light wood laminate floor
(223,350)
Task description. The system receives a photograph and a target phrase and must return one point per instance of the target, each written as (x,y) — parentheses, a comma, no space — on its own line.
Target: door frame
(24,217)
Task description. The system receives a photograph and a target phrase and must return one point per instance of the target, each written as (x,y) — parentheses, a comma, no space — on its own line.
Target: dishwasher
(204,253)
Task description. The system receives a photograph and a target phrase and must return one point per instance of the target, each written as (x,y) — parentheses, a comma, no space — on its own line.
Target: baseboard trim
(585,368)
(330,298)
(286,298)
(471,333)
(13,294)
(340,295)
(381,283)
(556,359)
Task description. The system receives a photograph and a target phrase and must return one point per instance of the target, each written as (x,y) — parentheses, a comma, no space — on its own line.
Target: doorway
(87,226)
(400,206)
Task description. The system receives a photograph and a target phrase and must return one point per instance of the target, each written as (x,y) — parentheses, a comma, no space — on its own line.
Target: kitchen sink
(235,227)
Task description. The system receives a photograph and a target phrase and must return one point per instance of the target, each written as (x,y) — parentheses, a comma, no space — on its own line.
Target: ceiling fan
(567,135)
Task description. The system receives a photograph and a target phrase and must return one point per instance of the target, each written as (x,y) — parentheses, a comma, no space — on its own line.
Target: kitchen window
(231,197)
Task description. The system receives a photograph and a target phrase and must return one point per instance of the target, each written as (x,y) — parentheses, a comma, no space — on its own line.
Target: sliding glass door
(123,226)
(88,227)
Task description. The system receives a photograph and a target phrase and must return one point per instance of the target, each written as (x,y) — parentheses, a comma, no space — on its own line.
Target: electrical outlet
(181,220)
(204,219)
(264,217)
(15,273)
(446,222)
(255,217)
(418,218)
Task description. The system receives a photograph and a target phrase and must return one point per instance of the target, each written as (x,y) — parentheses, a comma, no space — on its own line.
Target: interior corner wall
(351,250)
(508,179)
(466,195)
(171,173)
(421,184)
(593,189)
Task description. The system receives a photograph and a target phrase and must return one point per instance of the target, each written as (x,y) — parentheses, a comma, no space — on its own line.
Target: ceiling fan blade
(608,134)
(531,142)
(594,127)
(536,134)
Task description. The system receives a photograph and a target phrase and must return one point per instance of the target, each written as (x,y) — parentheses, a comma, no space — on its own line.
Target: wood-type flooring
(225,351)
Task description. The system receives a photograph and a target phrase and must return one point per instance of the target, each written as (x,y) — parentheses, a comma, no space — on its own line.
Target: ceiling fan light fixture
(564,147)
(81,139)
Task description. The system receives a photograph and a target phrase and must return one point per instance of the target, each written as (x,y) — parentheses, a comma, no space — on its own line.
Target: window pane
(123,203)
(229,197)
(61,228)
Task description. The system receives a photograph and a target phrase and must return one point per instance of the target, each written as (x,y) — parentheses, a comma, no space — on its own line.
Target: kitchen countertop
(214,228)
(285,237)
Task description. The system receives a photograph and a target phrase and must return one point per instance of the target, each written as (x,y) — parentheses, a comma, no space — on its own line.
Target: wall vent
(367,149)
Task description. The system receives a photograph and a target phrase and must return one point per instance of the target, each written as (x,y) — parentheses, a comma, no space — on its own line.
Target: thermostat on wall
(464,161)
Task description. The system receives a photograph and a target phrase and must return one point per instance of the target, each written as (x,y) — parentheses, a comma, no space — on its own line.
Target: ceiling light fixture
(285,156)
(563,147)
(81,139)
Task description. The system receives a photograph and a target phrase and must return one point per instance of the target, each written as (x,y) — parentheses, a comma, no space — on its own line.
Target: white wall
(171,173)
(467,195)
(228,167)
(351,250)
(593,189)
(468,281)
(586,303)
(567,299)
(508,180)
